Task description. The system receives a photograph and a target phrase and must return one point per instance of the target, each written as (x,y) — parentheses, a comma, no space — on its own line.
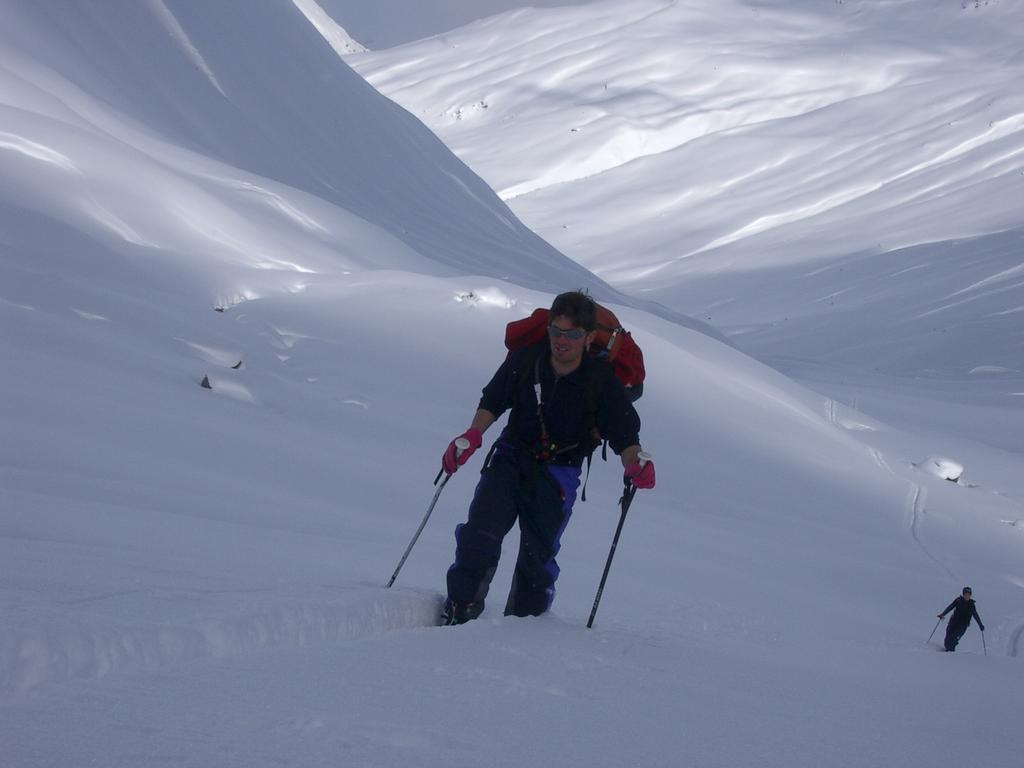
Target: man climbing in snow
(964,610)
(558,396)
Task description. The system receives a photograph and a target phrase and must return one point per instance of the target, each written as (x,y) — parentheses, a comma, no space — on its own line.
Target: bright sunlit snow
(834,184)
(246,300)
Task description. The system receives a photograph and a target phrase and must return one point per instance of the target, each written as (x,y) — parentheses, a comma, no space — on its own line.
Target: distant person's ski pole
(933,631)
(461,444)
(628,492)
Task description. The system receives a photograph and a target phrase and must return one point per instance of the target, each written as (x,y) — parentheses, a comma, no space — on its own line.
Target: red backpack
(612,342)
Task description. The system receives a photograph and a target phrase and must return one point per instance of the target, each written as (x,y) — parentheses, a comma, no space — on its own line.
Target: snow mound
(85,645)
(943,468)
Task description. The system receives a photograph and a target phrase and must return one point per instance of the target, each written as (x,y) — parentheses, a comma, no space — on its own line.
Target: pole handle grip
(461,445)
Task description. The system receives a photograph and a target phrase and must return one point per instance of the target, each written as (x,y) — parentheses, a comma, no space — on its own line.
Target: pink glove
(457,455)
(641,476)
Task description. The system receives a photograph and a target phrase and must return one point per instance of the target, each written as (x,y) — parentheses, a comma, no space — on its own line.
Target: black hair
(578,307)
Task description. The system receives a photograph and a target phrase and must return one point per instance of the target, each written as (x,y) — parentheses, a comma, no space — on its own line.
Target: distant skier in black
(964,610)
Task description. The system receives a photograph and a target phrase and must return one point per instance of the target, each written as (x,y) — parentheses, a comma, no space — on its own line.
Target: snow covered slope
(693,116)
(822,181)
(128,107)
(194,575)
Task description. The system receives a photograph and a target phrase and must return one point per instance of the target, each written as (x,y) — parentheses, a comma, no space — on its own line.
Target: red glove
(642,476)
(457,455)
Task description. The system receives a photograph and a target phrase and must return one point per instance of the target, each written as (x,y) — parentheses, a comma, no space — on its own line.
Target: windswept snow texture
(205,192)
(835,185)
(386,23)
(288,113)
(687,118)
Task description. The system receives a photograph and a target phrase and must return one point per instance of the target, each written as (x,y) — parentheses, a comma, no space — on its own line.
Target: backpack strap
(527,375)
(596,376)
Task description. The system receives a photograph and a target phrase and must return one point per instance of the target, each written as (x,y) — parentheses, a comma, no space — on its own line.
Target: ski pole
(461,444)
(933,631)
(627,498)
(983,643)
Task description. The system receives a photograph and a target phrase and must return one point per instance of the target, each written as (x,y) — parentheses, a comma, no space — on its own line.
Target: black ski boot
(459,613)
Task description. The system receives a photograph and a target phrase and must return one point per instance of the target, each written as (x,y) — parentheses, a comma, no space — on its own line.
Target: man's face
(568,342)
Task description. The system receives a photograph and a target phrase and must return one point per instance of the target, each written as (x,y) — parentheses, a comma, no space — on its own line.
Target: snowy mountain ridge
(762,151)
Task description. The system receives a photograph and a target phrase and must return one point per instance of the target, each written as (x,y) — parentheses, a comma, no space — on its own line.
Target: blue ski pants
(540,496)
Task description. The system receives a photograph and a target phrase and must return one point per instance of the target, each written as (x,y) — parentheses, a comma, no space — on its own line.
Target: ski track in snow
(880,460)
(916,494)
(91,646)
(915,506)
(1013,647)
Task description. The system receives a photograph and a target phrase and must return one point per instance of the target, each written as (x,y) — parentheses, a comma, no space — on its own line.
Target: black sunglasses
(573,333)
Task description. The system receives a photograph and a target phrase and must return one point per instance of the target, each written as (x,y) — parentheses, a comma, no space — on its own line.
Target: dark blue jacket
(963,611)
(565,410)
